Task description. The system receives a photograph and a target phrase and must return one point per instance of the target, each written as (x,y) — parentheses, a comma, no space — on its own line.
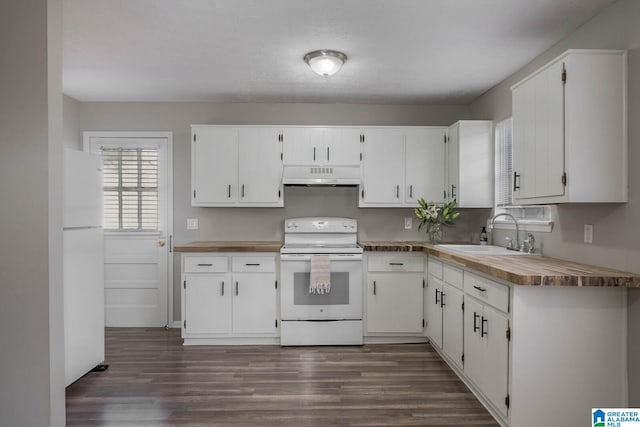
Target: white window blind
(130,189)
(503,164)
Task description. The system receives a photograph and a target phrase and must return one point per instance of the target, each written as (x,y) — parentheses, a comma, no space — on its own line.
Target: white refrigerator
(83,264)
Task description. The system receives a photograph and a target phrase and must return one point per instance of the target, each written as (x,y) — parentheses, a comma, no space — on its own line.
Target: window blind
(503,163)
(130,189)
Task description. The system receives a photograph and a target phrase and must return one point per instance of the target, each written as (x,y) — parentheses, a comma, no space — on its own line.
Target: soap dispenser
(483,236)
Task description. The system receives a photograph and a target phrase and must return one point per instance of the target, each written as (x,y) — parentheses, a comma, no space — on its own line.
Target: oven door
(344,302)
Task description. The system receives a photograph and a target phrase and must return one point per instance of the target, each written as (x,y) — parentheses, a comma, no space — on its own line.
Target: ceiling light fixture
(325,62)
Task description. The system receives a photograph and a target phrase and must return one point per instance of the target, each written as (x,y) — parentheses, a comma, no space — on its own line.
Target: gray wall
(71,136)
(616,227)
(31,332)
(267,223)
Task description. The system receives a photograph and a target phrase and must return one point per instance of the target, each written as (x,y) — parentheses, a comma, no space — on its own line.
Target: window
(534,218)
(130,189)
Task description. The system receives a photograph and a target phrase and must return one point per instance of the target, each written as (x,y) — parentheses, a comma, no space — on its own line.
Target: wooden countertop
(519,270)
(230,246)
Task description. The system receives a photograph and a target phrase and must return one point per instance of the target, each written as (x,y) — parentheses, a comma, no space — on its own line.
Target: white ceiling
(399,51)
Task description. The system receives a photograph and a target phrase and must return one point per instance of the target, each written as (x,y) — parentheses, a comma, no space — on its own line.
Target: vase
(435,233)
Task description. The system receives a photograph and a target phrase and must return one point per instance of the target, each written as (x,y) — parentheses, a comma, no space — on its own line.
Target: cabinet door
(214,163)
(424,165)
(207,304)
(496,358)
(394,303)
(254,303)
(341,147)
(452,149)
(452,326)
(475,164)
(473,343)
(382,168)
(260,167)
(434,311)
(538,134)
(302,146)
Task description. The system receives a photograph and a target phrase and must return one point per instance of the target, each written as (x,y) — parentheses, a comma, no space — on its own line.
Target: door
(496,358)
(424,165)
(394,303)
(302,146)
(382,167)
(452,323)
(260,167)
(207,302)
(137,198)
(214,166)
(434,311)
(341,146)
(473,345)
(254,303)
(452,148)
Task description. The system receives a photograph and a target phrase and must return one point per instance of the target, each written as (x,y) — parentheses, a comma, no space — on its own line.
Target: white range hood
(321,175)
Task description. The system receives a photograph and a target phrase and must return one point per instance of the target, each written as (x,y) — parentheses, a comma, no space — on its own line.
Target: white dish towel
(320,277)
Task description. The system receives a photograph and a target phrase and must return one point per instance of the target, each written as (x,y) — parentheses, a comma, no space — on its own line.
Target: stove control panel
(321,225)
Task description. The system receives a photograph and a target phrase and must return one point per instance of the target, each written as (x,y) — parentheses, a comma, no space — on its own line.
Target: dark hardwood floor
(154,381)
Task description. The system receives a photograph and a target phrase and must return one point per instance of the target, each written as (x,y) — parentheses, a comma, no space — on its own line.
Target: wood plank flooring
(154,381)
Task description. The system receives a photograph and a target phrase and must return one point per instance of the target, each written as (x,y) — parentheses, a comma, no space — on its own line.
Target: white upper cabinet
(424,165)
(233,166)
(214,166)
(569,130)
(321,146)
(469,162)
(382,168)
(260,167)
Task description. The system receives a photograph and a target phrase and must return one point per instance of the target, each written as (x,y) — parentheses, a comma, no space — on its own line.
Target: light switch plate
(588,233)
(192,223)
(408,222)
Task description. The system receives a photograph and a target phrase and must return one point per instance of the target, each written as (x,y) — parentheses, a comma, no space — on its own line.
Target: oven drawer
(396,262)
(251,264)
(205,264)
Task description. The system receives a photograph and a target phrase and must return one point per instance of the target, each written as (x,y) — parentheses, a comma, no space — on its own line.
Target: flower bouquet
(433,217)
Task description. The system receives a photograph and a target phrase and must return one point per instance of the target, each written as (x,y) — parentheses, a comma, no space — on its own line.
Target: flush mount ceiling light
(325,62)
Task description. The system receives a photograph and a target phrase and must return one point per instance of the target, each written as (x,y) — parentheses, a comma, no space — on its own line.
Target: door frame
(168,136)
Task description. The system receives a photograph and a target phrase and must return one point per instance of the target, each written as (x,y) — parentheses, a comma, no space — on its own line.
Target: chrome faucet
(510,241)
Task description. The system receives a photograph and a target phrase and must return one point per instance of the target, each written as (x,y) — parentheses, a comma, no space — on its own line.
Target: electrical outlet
(588,233)
(408,222)
(192,223)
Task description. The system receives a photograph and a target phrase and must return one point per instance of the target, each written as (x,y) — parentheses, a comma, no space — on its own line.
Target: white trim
(233,341)
(86,143)
(177,324)
(542,226)
(417,339)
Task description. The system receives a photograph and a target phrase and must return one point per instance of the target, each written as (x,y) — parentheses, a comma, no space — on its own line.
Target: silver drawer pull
(205,265)
(252,265)
(396,263)
(480,289)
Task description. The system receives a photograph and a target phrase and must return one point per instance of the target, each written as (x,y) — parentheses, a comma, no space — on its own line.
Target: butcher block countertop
(230,246)
(519,270)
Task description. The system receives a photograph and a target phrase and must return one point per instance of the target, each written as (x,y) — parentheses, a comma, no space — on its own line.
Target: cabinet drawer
(453,276)
(248,264)
(404,262)
(435,268)
(205,264)
(486,290)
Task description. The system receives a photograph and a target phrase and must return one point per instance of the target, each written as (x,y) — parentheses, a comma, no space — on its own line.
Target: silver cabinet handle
(236,288)
(327,153)
(252,265)
(374,287)
(397,191)
(229,191)
(411,191)
(242,191)
(222,288)
(314,154)
(205,265)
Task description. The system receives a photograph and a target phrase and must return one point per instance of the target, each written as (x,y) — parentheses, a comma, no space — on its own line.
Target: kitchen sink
(484,250)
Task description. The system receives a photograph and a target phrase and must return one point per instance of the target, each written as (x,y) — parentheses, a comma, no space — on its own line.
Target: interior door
(137,203)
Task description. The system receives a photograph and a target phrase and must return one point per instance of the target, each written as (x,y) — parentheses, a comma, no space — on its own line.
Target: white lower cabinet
(444,312)
(394,295)
(229,298)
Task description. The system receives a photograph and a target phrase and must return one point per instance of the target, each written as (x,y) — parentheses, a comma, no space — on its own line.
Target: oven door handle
(332,257)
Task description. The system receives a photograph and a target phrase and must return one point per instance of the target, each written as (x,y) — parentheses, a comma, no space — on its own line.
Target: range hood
(321,175)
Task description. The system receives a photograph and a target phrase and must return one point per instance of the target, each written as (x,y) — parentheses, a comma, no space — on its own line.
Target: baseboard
(396,340)
(232,341)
